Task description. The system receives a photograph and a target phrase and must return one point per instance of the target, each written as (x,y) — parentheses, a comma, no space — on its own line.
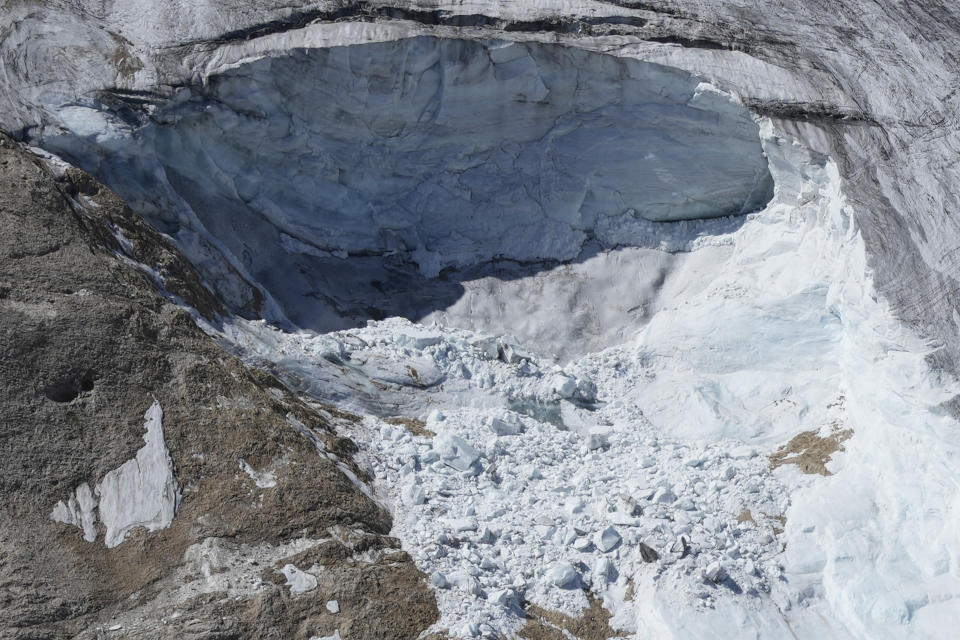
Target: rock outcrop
(90,345)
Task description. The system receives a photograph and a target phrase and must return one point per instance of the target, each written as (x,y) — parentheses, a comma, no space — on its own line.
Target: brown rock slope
(86,344)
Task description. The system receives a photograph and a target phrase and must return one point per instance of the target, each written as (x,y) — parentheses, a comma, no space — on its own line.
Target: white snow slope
(602,426)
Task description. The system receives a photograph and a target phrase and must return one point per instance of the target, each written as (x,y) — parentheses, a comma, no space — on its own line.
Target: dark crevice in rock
(810,111)
(693,43)
(365,12)
(70,387)
(644,6)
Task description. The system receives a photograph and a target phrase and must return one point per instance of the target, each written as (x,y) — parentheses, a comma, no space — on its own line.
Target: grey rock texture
(87,344)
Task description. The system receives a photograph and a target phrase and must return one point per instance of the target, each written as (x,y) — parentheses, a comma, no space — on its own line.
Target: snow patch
(298,581)
(263,479)
(140,493)
(80,511)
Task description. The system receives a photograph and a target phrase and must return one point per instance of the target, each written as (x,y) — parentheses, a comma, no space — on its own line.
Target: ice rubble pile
(558,493)
(629,472)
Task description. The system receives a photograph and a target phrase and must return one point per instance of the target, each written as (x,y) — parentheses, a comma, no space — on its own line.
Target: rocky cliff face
(260,481)
(713,240)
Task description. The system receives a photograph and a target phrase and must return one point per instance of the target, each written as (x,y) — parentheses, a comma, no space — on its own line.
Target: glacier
(611,275)
(440,154)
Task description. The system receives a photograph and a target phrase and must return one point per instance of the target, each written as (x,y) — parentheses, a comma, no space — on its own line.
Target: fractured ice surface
(139,493)
(442,152)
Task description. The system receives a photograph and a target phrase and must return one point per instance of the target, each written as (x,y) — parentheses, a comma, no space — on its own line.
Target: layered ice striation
(438,152)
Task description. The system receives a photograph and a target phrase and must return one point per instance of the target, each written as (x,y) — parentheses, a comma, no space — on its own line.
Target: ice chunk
(461,525)
(598,438)
(604,570)
(586,390)
(333,606)
(419,338)
(511,352)
(563,575)
(608,539)
(298,581)
(410,372)
(664,496)
(715,572)
(413,494)
(582,543)
(487,346)
(572,507)
(508,425)
(439,580)
(455,451)
(564,386)
(465,582)
(502,597)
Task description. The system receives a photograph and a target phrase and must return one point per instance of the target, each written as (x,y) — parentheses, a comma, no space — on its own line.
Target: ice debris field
(762,457)
(708,428)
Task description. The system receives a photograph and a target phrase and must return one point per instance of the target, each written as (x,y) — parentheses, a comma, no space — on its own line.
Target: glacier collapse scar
(447,152)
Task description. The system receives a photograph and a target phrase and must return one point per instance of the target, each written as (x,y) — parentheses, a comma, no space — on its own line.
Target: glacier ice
(765,331)
(441,153)
(711,342)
